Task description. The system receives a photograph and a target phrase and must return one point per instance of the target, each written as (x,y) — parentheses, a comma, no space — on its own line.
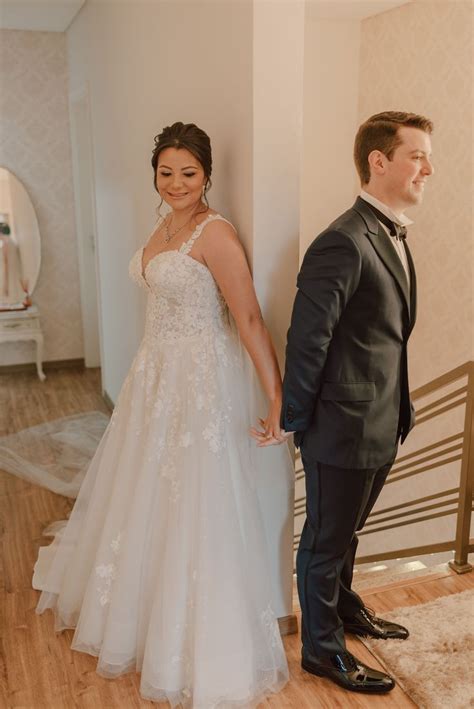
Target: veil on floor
(55,454)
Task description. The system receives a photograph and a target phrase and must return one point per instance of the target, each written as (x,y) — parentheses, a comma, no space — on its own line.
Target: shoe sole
(363,690)
(364,634)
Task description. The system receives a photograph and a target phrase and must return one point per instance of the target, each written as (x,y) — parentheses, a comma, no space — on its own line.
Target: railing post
(463,527)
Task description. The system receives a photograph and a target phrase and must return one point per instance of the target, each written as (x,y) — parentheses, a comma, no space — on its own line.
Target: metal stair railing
(450,449)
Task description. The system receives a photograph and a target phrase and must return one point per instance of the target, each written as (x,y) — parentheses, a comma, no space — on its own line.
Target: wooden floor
(37,668)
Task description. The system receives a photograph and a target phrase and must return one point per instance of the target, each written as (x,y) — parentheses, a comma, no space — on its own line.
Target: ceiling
(349,9)
(43,15)
(57,15)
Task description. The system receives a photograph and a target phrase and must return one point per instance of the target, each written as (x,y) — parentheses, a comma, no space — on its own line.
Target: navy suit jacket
(345,389)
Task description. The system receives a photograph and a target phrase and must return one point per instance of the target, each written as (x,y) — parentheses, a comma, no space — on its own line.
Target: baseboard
(108,401)
(288,624)
(404,583)
(47,366)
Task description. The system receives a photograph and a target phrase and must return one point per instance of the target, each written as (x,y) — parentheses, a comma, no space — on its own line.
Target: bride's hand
(270,433)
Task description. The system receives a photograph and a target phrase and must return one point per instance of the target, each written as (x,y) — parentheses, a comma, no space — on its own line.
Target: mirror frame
(27,205)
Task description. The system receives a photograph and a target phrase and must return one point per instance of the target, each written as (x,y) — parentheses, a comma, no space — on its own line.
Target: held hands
(270,433)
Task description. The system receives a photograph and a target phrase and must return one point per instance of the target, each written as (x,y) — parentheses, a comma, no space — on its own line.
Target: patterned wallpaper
(419,58)
(35,145)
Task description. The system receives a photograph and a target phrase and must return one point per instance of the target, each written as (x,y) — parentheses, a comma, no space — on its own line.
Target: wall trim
(108,400)
(288,624)
(52,364)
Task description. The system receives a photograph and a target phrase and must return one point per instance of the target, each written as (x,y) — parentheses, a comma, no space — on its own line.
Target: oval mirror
(20,244)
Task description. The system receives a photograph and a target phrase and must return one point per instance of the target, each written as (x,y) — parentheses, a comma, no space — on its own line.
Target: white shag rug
(435,665)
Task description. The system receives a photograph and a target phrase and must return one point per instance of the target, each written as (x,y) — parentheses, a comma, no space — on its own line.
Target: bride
(162,566)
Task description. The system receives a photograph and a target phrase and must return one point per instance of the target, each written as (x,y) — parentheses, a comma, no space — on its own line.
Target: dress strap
(188,245)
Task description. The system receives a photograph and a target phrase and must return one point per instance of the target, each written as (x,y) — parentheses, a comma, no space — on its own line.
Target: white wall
(35,146)
(330,120)
(149,64)
(278,65)
(278,34)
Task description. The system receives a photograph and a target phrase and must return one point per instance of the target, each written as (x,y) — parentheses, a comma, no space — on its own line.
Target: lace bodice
(183,297)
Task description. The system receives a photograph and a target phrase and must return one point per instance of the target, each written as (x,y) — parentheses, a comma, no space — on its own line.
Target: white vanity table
(20,261)
(23,325)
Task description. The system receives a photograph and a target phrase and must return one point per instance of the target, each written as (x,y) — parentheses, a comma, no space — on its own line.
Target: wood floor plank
(38,670)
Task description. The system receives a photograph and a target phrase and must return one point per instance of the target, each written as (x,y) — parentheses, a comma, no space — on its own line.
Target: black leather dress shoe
(366,624)
(349,672)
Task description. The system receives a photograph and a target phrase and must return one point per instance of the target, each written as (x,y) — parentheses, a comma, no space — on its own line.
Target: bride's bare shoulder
(219,230)
(201,217)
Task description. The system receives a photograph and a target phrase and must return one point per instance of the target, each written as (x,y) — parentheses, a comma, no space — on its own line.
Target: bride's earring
(205,189)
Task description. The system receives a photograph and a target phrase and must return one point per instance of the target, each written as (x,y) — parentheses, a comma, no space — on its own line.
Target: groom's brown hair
(380,132)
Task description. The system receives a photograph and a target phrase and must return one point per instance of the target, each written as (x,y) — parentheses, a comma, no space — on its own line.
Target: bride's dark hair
(190,137)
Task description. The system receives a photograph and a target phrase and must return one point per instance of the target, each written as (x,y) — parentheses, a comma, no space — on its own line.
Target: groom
(345,391)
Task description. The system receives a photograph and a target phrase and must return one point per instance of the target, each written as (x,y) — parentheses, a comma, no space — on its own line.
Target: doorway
(83,174)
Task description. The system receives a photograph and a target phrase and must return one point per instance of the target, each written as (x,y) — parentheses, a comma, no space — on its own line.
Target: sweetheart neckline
(162,253)
(196,233)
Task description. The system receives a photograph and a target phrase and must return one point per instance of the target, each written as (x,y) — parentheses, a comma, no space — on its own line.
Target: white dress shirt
(401,220)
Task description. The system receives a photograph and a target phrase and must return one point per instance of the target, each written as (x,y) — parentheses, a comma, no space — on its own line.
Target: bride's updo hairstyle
(190,137)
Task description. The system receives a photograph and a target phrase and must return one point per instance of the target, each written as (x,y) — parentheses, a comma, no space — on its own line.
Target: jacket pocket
(348,391)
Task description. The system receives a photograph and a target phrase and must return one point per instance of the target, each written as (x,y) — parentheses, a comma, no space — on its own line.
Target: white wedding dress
(162,566)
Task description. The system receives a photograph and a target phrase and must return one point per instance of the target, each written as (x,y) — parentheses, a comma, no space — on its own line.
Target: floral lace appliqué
(186,319)
(106,573)
(270,623)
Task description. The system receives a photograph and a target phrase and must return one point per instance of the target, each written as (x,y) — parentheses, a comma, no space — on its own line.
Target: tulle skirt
(163,564)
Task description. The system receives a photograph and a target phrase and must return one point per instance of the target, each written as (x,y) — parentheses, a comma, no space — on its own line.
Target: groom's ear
(377,162)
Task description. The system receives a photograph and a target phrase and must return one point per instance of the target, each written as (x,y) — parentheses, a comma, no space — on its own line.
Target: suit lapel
(381,243)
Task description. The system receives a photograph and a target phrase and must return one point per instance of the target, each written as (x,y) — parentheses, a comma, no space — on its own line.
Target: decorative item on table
(4,226)
(27,299)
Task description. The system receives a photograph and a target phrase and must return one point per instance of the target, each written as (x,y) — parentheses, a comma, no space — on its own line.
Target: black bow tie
(401,232)
(396,230)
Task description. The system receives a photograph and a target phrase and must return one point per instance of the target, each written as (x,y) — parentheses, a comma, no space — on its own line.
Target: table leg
(39,356)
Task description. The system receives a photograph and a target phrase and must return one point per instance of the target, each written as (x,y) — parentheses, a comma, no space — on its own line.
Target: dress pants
(338,502)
